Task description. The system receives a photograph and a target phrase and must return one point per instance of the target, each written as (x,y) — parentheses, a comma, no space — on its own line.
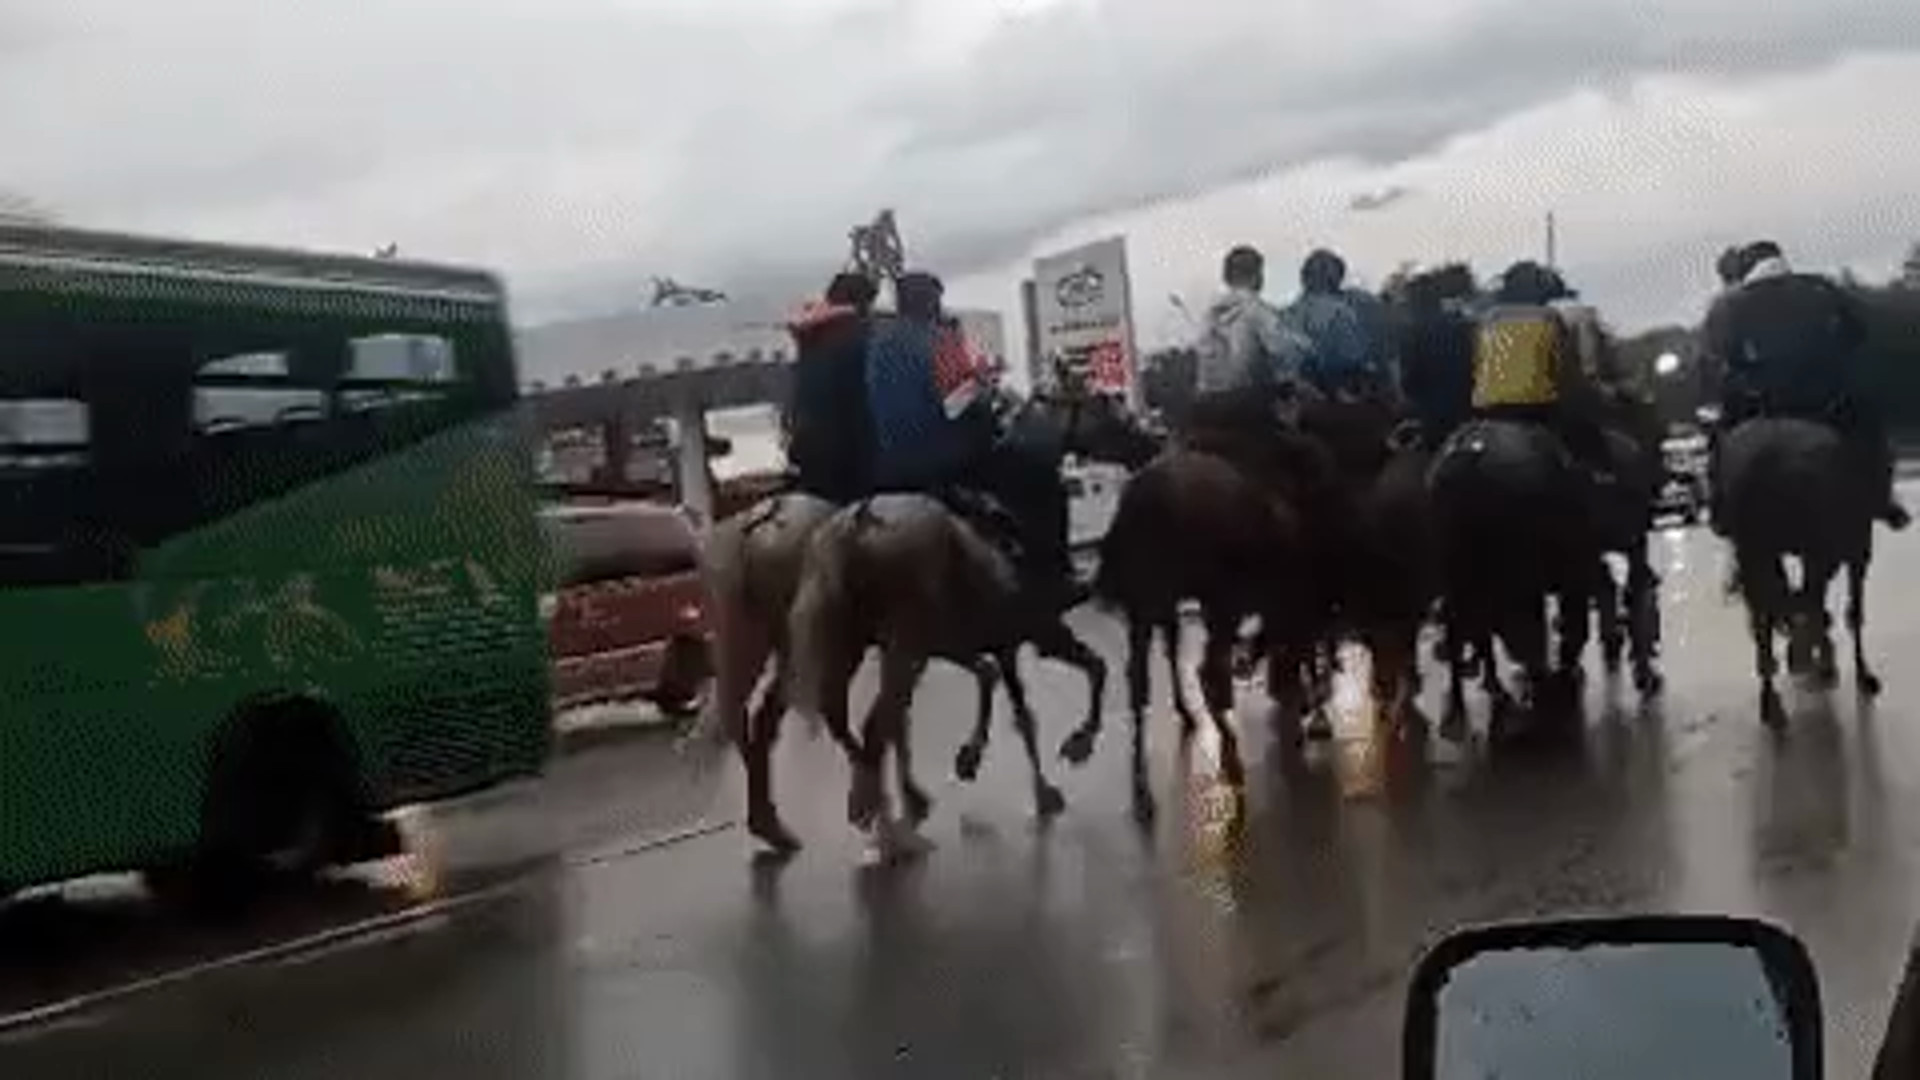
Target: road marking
(362,933)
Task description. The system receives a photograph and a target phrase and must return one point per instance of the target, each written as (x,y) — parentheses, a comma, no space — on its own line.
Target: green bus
(269,555)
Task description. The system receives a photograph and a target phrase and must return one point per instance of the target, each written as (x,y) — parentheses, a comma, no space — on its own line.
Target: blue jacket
(1341,352)
(916,445)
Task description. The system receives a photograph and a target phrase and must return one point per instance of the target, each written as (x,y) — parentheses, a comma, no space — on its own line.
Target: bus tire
(685,677)
(280,804)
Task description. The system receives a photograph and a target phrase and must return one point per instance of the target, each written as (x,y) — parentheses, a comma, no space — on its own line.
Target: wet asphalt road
(611,922)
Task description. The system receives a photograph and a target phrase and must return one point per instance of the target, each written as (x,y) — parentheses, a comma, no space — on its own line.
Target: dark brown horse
(1629,611)
(1396,571)
(1791,488)
(1193,526)
(1513,514)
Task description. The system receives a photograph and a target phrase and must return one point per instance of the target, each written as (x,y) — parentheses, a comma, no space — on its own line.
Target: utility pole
(1553,246)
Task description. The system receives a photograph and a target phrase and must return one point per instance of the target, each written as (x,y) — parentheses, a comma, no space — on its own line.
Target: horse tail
(723,567)
(818,619)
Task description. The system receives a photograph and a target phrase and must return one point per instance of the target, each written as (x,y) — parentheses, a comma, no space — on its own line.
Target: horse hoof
(1049,803)
(1319,729)
(771,832)
(917,805)
(863,804)
(1648,681)
(1233,773)
(1078,748)
(1144,811)
(1772,713)
(966,763)
(1870,685)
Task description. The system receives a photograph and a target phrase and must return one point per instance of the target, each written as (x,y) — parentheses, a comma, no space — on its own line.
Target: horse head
(1092,424)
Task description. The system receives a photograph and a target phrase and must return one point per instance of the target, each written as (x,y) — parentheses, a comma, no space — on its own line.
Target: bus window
(251,390)
(385,371)
(46,488)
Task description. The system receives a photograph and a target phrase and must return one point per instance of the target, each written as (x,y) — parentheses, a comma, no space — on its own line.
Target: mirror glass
(1626,1011)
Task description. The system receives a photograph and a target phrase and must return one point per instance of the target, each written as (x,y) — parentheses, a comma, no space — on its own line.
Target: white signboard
(1084,306)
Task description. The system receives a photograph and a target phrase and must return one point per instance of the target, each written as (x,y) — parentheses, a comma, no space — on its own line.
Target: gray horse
(755,563)
(905,574)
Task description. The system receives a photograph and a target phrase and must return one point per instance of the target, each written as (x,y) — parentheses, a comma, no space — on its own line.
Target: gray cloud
(584,144)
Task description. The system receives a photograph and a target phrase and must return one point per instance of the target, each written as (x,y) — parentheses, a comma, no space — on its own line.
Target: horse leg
(1576,603)
(1058,642)
(1609,603)
(1170,638)
(885,725)
(1643,618)
(1395,648)
(1139,645)
(1864,678)
(1453,639)
(966,763)
(913,798)
(763,732)
(1818,581)
(1323,662)
(1047,800)
(1762,582)
(1216,682)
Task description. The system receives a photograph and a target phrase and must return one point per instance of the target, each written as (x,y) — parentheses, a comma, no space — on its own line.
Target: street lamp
(1666,363)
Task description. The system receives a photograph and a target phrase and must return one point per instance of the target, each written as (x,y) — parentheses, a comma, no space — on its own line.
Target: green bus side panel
(403,593)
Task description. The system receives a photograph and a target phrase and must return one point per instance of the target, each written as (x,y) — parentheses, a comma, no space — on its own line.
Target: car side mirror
(1624,998)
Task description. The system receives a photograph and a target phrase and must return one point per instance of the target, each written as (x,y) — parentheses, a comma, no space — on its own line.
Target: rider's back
(1242,344)
(1789,340)
(1521,357)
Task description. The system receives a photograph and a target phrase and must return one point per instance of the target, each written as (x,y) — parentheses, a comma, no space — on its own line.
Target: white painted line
(657,841)
(364,933)
(375,930)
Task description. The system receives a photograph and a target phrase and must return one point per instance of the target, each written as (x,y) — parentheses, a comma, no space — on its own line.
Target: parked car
(1683,491)
(628,618)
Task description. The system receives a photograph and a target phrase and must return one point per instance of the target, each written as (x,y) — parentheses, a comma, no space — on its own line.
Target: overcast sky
(582,145)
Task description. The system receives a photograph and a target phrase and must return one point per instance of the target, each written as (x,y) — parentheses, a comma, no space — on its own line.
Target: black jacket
(829,424)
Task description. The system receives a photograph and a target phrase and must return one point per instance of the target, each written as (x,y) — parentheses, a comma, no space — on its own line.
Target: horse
(1629,613)
(1791,488)
(907,574)
(1395,578)
(751,563)
(755,564)
(1514,520)
(1194,525)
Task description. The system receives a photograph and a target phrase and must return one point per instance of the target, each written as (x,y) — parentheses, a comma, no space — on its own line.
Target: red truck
(628,618)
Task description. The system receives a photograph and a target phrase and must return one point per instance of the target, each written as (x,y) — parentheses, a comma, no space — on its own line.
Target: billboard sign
(1084,313)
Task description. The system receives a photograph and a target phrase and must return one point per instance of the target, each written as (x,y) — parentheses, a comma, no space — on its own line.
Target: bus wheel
(279,805)
(685,677)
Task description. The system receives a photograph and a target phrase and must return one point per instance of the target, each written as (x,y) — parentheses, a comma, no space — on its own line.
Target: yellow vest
(1518,356)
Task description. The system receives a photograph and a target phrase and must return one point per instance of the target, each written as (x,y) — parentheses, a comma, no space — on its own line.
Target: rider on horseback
(934,432)
(1436,351)
(1248,359)
(1526,364)
(828,421)
(1345,329)
(1787,344)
